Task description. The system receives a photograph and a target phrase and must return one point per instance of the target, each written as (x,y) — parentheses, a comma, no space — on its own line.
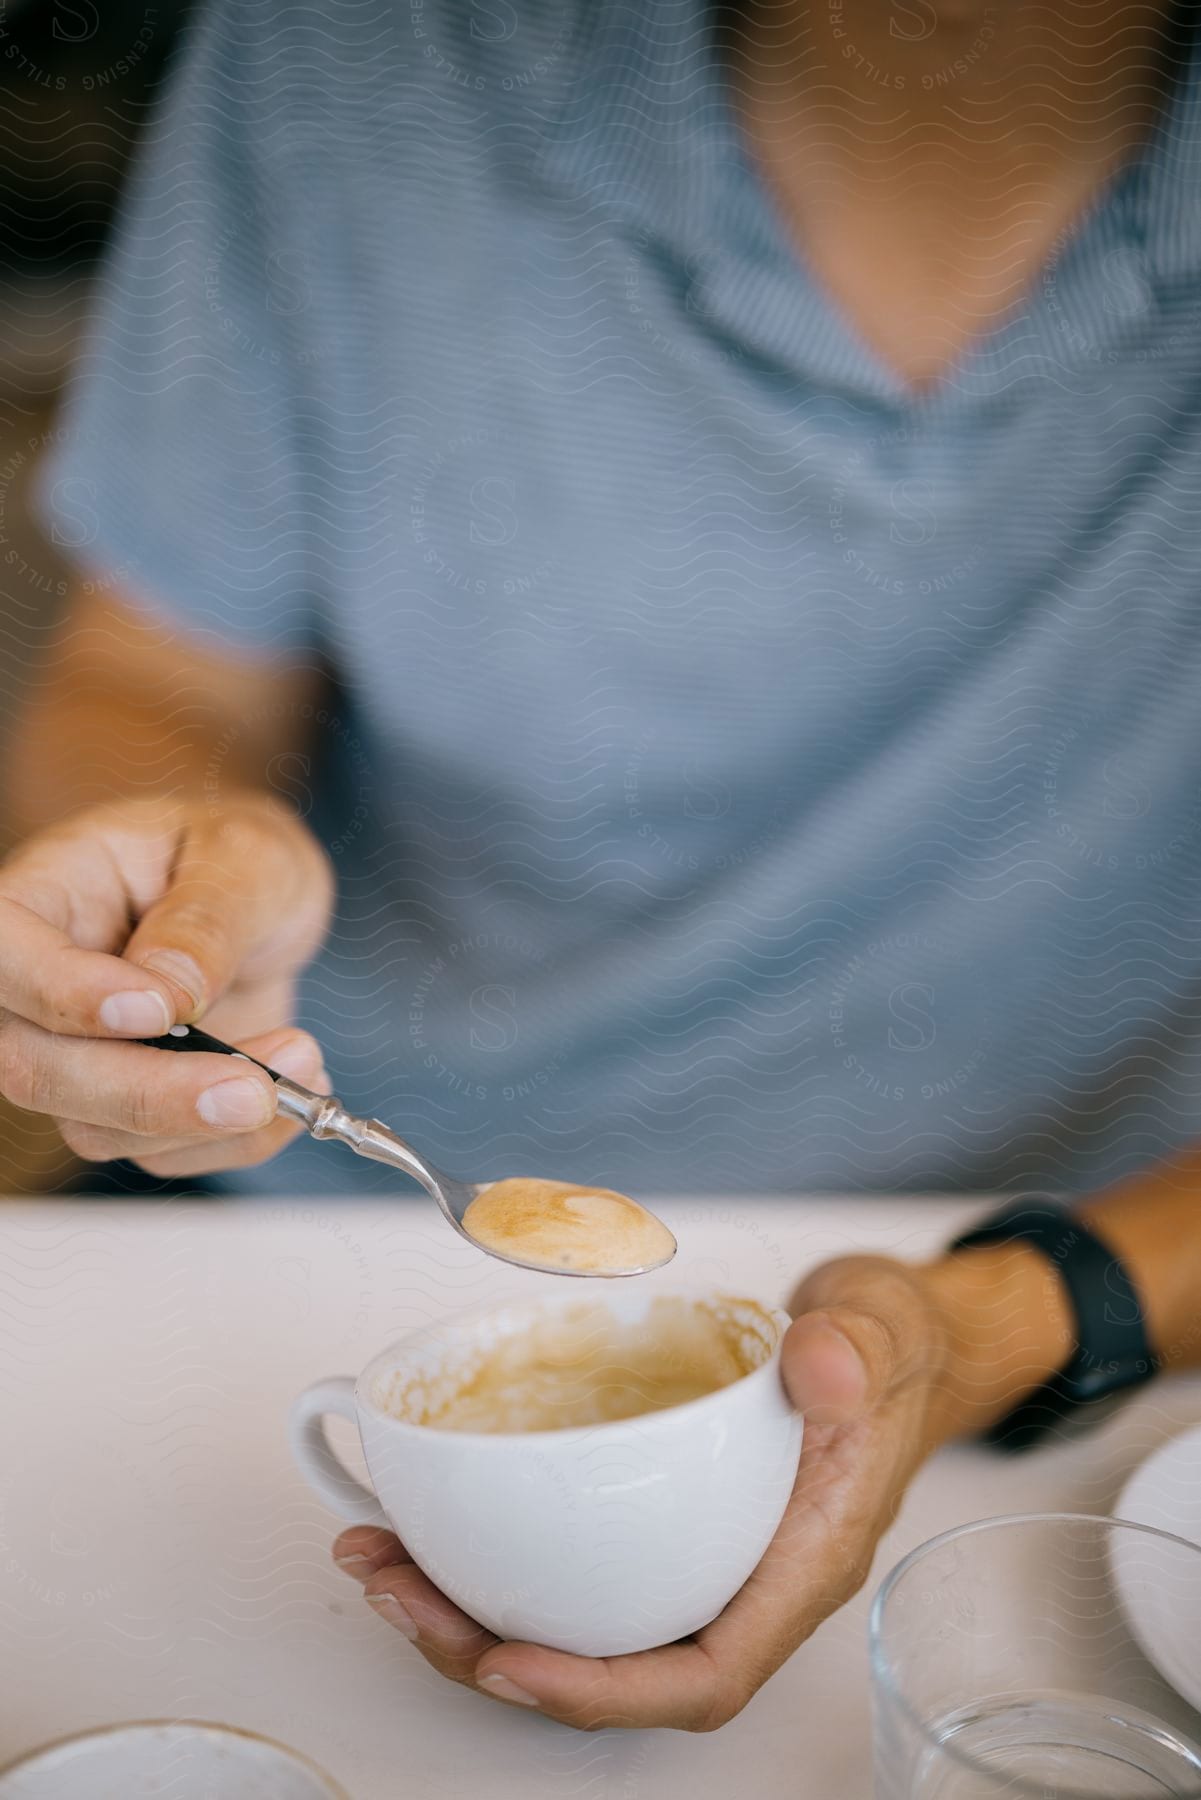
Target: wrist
(1152,1225)
(1008,1327)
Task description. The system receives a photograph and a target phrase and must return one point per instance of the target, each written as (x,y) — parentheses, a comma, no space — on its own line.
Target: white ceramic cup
(600,1539)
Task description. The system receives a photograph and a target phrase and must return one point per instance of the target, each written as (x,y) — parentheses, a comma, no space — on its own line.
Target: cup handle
(316,1460)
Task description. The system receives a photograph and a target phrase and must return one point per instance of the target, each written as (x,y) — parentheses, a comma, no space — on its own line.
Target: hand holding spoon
(551,1226)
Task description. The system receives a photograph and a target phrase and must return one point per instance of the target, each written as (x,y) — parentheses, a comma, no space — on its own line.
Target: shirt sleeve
(175,476)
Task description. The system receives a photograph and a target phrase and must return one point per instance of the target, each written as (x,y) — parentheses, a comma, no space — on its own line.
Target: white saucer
(1165,1613)
(166,1760)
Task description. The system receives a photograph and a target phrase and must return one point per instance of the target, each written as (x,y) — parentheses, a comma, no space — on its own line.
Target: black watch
(1113,1352)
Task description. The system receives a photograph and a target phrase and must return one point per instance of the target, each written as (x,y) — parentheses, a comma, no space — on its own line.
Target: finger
(46,978)
(702,1683)
(820,1556)
(246,1010)
(131,1087)
(298,1057)
(96,1145)
(447,1637)
(867,1337)
(172,1161)
(364,1549)
(291,1053)
(679,1686)
(858,1359)
(248,891)
(249,1150)
(863,1331)
(825,1370)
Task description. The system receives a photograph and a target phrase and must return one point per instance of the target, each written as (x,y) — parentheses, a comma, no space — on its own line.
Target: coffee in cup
(600,1475)
(583,1366)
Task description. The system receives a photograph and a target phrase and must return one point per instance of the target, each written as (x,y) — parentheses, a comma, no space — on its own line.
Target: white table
(160,1557)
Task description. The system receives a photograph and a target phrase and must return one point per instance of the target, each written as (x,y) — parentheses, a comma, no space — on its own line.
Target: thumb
(864,1329)
(249,895)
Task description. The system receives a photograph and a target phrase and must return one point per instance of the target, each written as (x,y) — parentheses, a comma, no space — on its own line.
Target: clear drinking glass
(1053,1656)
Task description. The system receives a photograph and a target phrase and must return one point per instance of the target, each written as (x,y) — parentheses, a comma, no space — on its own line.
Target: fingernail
(177,968)
(236,1105)
(839,1335)
(141,1012)
(389,1607)
(298,1057)
(504,1689)
(356,1566)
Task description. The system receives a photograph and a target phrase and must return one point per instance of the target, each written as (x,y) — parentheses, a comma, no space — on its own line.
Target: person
(685,514)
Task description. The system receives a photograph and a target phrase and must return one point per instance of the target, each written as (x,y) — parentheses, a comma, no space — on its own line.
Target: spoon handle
(323,1115)
(296,1101)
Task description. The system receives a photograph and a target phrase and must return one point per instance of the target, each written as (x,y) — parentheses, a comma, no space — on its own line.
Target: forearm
(122,708)
(1009,1323)
(75,750)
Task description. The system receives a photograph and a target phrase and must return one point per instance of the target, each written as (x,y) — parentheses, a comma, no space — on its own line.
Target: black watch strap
(1113,1351)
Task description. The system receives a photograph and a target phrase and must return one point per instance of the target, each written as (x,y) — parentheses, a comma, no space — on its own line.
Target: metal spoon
(324,1116)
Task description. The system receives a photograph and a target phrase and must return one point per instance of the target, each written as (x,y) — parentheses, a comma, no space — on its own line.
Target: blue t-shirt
(743,773)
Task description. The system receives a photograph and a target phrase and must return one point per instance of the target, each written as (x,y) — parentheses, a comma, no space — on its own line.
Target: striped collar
(646,127)
(648,131)
(1171,163)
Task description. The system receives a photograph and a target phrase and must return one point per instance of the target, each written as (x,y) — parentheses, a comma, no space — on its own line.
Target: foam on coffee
(583,1365)
(586,1230)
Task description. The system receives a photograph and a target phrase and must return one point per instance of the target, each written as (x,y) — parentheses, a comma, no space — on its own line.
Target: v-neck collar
(645,124)
(648,128)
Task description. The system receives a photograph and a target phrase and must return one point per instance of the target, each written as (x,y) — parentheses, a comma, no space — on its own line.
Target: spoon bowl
(325,1117)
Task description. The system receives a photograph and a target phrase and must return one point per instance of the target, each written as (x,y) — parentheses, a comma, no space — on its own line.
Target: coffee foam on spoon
(587,1230)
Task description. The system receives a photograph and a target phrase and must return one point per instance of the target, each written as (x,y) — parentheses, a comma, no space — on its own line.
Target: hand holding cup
(865,1361)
